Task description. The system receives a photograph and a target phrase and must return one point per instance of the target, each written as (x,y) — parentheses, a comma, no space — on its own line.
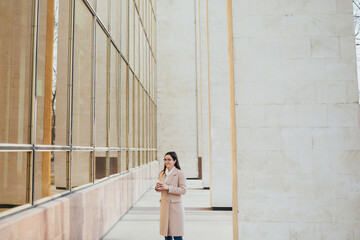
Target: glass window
(123,161)
(115,162)
(145,127)
(142,121)
(60,75)
(82,87)
(109,102)
(101,87)
(125,27)
(102,9)
(81,168)
(148,126)
(136,120)
(124,102)
(92,3)
(15,71)
(131,33)
(131,118)
(13,180)
(115,20)
(45,173)
(137,45)
(141,56)
(114,98)
(47,85)
(59,170)
(137,4)
(101,163)
(153,45)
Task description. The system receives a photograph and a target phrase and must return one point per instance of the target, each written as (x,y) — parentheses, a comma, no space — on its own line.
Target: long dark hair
(173,156)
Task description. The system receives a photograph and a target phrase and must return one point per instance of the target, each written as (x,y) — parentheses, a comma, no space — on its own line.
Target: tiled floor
(142,221)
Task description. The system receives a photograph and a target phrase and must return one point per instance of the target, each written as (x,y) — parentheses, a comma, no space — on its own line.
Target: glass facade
(78,95)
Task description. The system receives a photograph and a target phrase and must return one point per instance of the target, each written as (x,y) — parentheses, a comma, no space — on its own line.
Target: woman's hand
(157,187)
(162,186)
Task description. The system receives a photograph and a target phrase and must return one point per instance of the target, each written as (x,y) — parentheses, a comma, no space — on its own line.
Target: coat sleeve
(181,189)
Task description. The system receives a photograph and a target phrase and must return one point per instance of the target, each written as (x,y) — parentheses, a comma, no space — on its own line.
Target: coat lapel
(171,176)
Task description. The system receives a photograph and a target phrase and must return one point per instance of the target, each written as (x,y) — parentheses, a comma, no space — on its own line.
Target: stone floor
(142,221)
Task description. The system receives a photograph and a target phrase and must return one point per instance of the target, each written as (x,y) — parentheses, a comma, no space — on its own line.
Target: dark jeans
(175,238)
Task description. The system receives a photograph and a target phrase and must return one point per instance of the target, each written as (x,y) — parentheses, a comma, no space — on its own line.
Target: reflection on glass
(82,87)
(131,33)
(137,45)
(141,57)
(131,119)
(115,20)
(115,164)
(142,121)
(124,27)
(101,87)
(15,66)
(101,163)
(81,168)
(61,61)
(92,3)
(13,184)
(123,102)
(47,85)
(102,9)
(123,161)
(45,173)
(136,120)
(59,170)
(114,98)
(124,115)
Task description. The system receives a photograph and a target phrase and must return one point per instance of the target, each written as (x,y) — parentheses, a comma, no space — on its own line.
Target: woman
(172,184)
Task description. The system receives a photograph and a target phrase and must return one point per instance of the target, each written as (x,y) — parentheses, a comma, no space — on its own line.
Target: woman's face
(169,162)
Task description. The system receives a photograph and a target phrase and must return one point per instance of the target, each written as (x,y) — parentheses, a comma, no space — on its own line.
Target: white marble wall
(297,113)
(220,188)
(297,120)
(176,83)
(183,106)
(202,90)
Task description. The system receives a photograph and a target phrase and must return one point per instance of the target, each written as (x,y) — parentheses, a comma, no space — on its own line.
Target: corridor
(142,221)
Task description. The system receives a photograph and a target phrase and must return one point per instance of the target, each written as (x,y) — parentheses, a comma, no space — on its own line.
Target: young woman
(171,184)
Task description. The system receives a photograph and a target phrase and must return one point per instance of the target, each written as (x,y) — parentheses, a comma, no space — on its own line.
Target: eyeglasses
(167,160)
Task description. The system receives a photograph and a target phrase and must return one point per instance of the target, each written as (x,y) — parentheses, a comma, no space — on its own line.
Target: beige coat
(171,206)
